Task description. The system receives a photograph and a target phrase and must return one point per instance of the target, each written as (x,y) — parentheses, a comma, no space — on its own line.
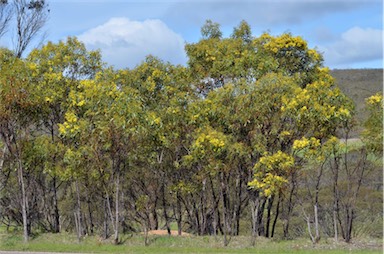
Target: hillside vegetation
(359,84)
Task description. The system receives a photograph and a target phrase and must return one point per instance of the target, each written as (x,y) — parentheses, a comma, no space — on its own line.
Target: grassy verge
(193,244)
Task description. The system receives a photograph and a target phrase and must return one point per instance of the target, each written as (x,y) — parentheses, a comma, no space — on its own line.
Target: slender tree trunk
(350,206)
(348,237)
(260,223)
(189,211)
(316,237)
(276,216)
(179,214)
(215,221)
(335,197)
(254,201)
(289,207)
(203,201)
(91,225)
(116,237)
(155,222)
(78,218)
(146,242)
(237,205)
(269,210)
(215,210)
(196,215)
(56,227)
(225,209)
(308,220)
(24,201)
(105,224)
(317,233)
(164,201)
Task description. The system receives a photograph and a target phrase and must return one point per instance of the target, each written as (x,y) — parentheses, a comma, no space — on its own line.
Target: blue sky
(349,33)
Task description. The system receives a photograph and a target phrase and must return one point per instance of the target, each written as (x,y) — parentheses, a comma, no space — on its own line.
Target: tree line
(251,137)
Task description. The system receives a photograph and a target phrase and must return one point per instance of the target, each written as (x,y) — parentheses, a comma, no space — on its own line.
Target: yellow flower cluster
(209,141)
(70,125)
(286,41)
(300,144)
(343,112)
(77,99)
(153,118)
(306,143)
(277,161)
(269,184)
(33,68)
(375,99)
(213,139)
(314,54)
(285,134)
(216,142)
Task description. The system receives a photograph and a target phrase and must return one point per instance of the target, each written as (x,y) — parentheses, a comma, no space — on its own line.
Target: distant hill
(358,84)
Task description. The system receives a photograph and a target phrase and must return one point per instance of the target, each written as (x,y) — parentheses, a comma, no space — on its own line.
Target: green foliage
(373,132)
(243,32)
(211,30)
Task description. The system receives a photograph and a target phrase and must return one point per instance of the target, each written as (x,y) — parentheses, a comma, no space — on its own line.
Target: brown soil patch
(165,232)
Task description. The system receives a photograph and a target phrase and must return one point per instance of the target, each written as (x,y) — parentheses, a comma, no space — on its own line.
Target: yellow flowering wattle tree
(103,120)
(208,155)
(19,112)
(264,93)
(56,71)
(373,126)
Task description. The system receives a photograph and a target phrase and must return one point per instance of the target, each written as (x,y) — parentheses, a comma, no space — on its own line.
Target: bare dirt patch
(165,232)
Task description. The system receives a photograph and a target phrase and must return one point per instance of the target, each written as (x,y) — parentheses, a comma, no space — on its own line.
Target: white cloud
(125,43)
(355,45)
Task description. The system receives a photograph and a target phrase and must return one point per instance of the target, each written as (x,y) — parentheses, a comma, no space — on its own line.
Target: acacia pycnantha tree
(253,129)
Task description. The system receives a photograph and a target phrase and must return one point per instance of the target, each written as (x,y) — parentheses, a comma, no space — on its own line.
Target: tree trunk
(165,209)
(349,225)
(276,216)
(225,208)
(203,201)
(260,216)
(78,218)
(179,214)
(317,233)
(289,210)
(335,197)
(116,237)
(105,224)
(146,242)
(24,202)
(237,205)
(254,201)
(352,194)
(196,216)
(91,225)
(308,220)
(215,209)
(56,225)
(269,210)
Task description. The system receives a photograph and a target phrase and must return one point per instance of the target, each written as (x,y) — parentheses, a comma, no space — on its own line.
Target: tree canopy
(250,130)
